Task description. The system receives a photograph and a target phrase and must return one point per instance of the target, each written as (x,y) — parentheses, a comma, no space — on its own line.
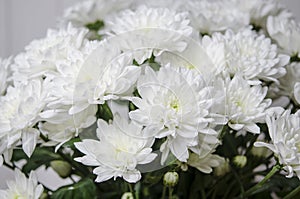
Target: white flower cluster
(22,187)
(178,70)
(284,129)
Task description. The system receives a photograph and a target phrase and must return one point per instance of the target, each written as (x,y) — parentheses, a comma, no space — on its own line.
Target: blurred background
(21,21)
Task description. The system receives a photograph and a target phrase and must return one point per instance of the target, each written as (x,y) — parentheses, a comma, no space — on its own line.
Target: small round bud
(171,179)
(184,167)
(240,161)
(127,195)
(62,168)
(43,196)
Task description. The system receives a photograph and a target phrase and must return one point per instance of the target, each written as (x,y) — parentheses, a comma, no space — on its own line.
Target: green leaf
(295,58)
(41,156)
(18,154)
(84,189)
(97,25)
(104,112)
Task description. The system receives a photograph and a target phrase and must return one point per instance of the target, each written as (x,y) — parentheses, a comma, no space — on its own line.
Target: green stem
(164,192)
(224,130)
(170,192)
(293,193)
(131,189)
(203,195)
(239,181)
(72,179)
(44,138)
(137,189)
(253,189)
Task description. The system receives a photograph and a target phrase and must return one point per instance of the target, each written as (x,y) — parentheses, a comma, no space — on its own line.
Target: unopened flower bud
(43,196)
(240,161)
(62,168)
(127,195)
(260,152)
(171,179)
(184,167)
(223,168)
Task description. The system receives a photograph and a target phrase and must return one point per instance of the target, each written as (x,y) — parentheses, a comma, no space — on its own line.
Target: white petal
(263,144)
(132,176)
(236,126)
(103,174)
(29,140)
(253,128)
(297,92)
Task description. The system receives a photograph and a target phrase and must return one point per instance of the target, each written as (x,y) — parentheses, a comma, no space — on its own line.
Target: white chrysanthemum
(61,85)
(211,16)
(22,187)
(4,73)
(19,112)
(289,81)
(284,130)
(106,75)
(60,126)
(58,58)
(245,104)
(120,149)
(174,104)
(90,11)
(147,18)
(58,50)
(259,10)
(145,29)
(247,53)
(286,32)
(202,156)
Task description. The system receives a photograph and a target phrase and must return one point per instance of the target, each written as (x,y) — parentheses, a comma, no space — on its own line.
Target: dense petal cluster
(289,83)
(19,112)
(284,130)
(259,10)
(211,16)
(90,11)
(174,104)
(22,187)
(120,148)
(245,105)
(247,53)
(286,32)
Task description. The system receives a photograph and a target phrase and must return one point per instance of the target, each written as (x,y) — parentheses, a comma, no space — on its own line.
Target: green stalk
(164,192)
(293,193)
(253,189)
(170,192)
(131,189)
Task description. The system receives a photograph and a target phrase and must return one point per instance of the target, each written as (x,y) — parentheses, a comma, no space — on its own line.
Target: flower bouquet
(157,99)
